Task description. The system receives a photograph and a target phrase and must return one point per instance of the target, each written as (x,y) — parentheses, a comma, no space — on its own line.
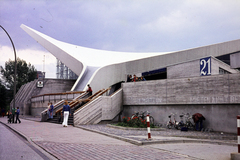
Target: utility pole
(15,64)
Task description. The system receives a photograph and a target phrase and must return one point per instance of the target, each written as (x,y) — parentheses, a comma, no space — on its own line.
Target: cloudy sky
(116,25)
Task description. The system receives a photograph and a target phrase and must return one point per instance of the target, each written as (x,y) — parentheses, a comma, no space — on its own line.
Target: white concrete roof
(93,57)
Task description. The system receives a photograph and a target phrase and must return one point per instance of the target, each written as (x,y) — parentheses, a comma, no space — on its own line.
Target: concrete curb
(189,141)
(149,142)
(113,136)
(42,150)
(130,128)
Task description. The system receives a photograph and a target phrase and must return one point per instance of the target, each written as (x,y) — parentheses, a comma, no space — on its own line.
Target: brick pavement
(75,143)
(162,135)
(106,151)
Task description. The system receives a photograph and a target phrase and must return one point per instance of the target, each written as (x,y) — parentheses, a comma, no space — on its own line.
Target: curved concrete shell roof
(101,68)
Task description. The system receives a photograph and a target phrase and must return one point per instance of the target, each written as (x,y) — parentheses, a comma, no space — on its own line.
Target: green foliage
(25,73)
(3,96)
(134,122)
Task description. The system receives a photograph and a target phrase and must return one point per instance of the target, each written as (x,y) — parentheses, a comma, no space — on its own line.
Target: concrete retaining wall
(102,108)
(216,97)
(218,117)
(56,86)
(27,91)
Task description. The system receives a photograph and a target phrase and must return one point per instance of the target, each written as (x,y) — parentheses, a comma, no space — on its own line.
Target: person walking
(13,114)
(50,113)
(66,113)
(17,115)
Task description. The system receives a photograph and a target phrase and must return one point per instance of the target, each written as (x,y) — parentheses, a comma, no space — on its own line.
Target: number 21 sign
(205,66)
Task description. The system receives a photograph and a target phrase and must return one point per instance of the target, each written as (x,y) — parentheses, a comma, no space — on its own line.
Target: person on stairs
(50,116)
(89,90)
(66,112)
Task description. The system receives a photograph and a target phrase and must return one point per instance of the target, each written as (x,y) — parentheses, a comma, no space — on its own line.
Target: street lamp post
(15,64)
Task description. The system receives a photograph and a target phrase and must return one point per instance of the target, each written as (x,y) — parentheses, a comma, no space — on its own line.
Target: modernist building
(102,68)
(193,78)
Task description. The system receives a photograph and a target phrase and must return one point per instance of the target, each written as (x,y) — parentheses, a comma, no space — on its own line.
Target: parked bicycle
(136,114)
(181,122)
(189,122)
(141,115)
(172,123)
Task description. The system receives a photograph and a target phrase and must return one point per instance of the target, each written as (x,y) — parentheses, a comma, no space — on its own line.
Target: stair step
(55,119)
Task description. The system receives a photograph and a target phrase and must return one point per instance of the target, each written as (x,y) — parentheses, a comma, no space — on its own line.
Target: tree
(3,96)
(25,73)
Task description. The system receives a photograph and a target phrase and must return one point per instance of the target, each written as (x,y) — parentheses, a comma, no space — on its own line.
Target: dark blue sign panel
(205,66)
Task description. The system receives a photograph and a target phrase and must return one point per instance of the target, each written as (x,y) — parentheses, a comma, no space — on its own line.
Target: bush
(134,122)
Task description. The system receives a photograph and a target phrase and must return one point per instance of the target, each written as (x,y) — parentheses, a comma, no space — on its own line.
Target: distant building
(40,75)
(63,72)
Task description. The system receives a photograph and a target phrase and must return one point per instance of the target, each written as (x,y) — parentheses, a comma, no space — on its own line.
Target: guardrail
(96,95)
(56,96)
(74,102)
(59,104)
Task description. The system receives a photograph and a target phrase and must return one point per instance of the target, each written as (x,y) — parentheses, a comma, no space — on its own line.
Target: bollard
(236,156)
(148,127)
(238,132)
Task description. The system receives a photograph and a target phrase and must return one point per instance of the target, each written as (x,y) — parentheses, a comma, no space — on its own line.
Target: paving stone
(139,134)
(96,151)
(75,143)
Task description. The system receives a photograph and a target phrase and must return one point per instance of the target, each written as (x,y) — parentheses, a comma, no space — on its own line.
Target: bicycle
(188,123)
(136,114)
(174,123)
(142,116)
(181,123)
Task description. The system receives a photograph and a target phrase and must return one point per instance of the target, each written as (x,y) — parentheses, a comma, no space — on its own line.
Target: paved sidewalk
(79,143)
(162,135)
(75,143)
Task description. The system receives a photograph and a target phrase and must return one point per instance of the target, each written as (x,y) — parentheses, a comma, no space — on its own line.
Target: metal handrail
(63,93)
(96,95)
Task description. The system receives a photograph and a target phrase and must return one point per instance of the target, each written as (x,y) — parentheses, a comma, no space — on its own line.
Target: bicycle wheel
(169,125)
(177,126)
(151,119)
(190,126)
(133,116)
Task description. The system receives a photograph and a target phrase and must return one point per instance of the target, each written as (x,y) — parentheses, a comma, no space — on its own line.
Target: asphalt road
(14,147)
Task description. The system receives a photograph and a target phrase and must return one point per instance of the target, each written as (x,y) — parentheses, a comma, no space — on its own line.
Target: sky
(115,25)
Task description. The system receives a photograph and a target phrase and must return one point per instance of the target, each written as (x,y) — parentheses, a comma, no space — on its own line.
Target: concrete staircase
(59,119)
(102,108)
(22,98)
(57,110)
(89,110)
